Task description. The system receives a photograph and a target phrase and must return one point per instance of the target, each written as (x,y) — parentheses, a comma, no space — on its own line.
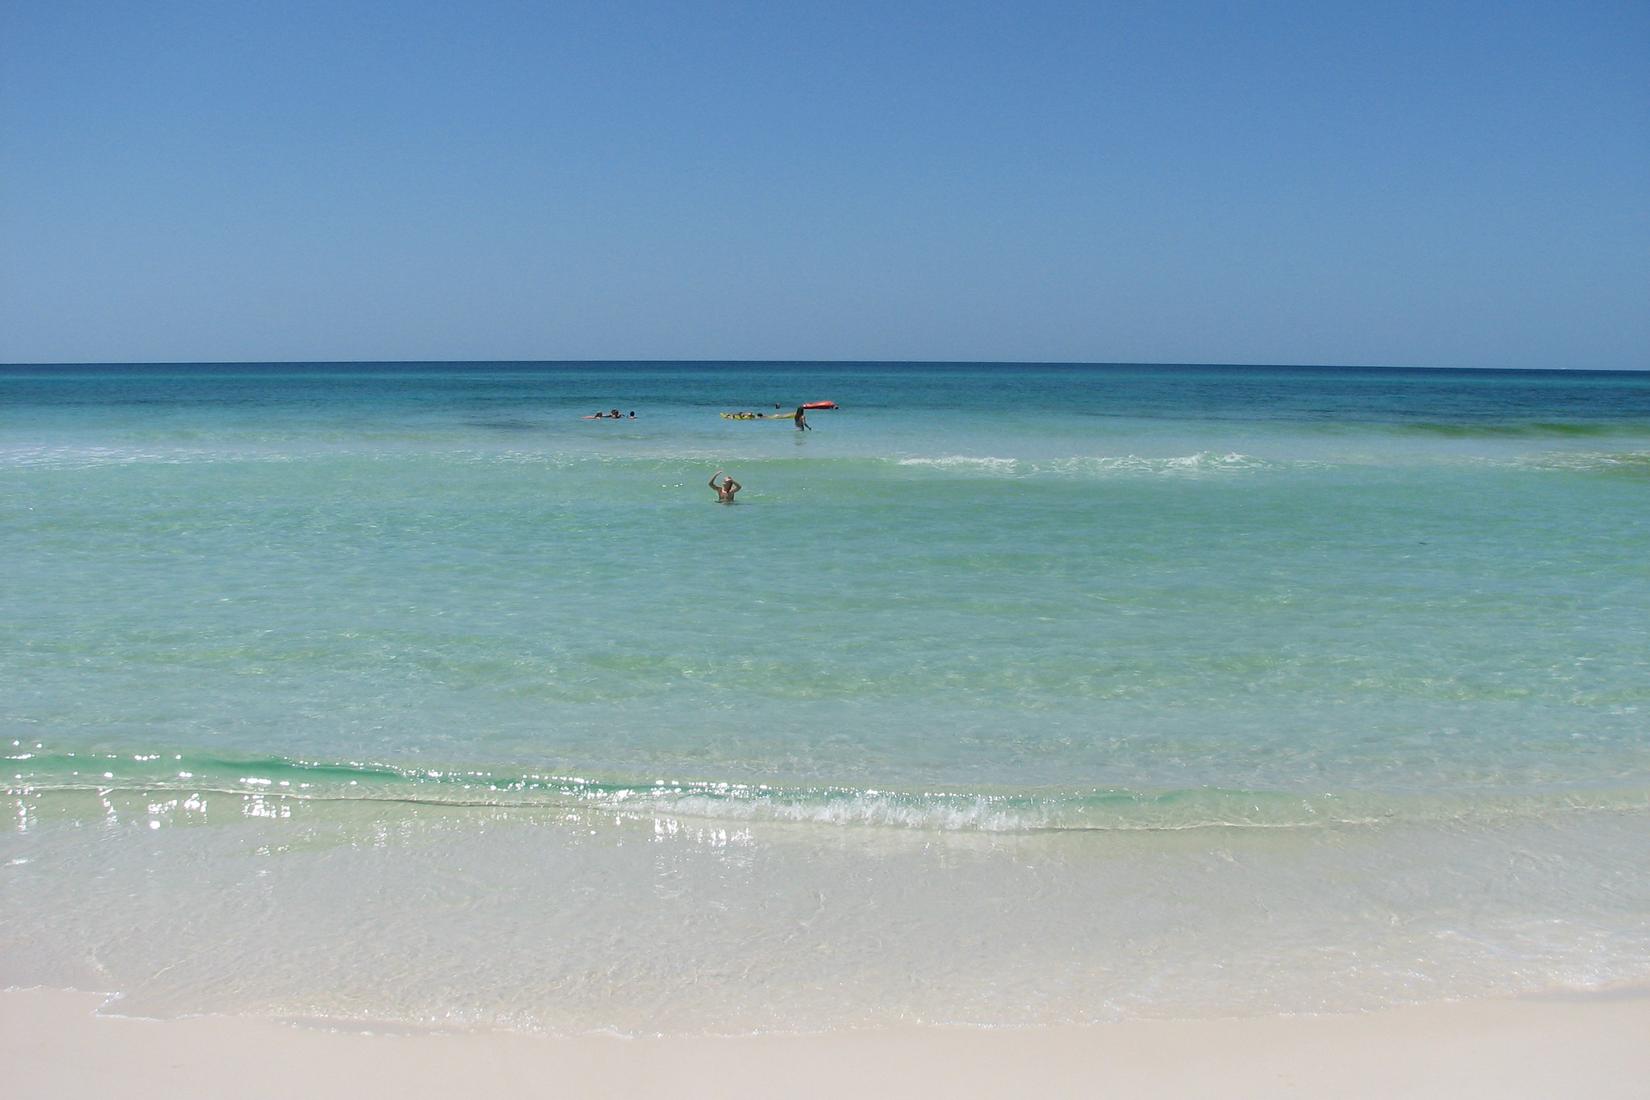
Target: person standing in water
(724,491)
(802,420)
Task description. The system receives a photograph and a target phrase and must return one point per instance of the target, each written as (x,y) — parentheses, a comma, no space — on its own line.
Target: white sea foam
(68,458)
(1628,462)
(955,814)
(1202,462)
(1082,466)
(983,464)
(80,457)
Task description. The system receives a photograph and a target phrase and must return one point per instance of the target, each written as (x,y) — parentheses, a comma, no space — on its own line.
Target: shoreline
(53,1043)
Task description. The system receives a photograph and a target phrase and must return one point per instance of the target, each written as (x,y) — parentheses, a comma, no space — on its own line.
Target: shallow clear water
(1008,694)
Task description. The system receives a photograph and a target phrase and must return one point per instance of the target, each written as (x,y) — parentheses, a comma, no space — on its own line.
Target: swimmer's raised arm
(724,491)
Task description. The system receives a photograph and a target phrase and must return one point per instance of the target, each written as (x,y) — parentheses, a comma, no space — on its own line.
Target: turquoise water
(1008,694)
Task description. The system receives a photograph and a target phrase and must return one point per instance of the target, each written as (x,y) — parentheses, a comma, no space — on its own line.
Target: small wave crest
(64,457)
(190,778)
(965,463)
(1202,462)
(1622,463)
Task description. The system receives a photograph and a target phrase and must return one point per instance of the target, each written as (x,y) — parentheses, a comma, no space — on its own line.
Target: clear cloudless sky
(1422,184)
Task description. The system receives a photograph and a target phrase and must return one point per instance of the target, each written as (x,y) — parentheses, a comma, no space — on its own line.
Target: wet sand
(55,1044)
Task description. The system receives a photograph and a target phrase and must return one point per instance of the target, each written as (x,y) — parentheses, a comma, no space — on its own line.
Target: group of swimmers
(614,415)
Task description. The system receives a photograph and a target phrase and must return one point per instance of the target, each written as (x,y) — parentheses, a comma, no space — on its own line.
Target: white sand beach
(53,1044)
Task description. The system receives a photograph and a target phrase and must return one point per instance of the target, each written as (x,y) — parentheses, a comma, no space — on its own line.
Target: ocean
(1008,695)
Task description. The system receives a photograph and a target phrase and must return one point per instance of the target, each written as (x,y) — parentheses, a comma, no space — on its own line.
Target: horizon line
(801,362)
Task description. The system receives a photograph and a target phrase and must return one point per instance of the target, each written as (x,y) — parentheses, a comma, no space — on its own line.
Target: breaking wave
(174,784)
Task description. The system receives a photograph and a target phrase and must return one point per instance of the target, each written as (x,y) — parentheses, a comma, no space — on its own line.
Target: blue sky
(1409,184)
